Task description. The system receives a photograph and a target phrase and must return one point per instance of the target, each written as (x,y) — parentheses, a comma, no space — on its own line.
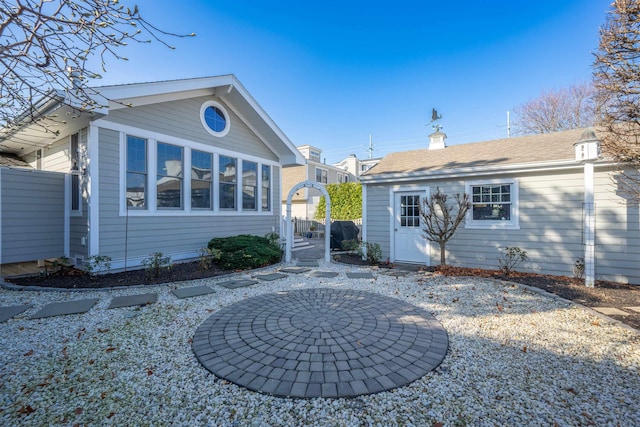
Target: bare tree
(441,219)
(557,110)
(45,42)
(617,81)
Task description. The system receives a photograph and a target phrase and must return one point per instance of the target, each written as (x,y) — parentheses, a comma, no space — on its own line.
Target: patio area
(515,357)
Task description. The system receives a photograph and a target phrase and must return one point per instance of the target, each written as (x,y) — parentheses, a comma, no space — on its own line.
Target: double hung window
(227,178)
(169,176)
(493,204)
(136,192)
(201,179)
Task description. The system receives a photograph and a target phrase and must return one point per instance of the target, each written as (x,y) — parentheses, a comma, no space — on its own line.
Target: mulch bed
(603,294)
(77,279)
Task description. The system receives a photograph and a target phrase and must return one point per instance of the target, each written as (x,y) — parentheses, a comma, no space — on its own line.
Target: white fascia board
(472,172)
(137,90)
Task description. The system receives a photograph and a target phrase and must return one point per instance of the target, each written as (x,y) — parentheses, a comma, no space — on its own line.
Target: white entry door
(409,244)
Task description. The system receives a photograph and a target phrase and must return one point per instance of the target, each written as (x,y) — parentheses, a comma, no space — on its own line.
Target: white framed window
(321,175)
(266,188)
(214,118)
(494,204)
(169,176)
(201,180)
(136,186)
(249,185)
(227,172)
(153,180)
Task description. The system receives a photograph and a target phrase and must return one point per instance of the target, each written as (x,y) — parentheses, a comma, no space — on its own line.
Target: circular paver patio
(320,343)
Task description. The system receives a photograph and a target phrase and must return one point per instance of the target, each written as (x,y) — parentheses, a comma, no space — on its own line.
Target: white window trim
(219,106)
(512,224)
(152,138)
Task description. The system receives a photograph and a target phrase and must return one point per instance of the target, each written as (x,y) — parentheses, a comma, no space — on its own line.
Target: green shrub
(155,262)
(371,251)
(97,264)
(207,256)
(273,238)
(245,252)
(350,245)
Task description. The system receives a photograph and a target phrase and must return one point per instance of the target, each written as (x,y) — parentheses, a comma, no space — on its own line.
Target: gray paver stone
(7,313)
(133,300)
(192,291)
(64,308)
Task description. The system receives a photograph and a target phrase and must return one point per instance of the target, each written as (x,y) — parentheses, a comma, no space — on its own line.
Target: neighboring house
(165,166)
(528,192)
(305,201)
(355,166)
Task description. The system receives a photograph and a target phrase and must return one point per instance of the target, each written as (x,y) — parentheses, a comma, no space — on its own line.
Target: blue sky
(331,73)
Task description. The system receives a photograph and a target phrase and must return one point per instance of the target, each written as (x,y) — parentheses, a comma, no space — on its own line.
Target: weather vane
(434,119)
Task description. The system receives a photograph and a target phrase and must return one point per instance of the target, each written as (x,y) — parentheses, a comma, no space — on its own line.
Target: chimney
(436,140)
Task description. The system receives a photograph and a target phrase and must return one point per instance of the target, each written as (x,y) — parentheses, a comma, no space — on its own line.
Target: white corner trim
(364,213)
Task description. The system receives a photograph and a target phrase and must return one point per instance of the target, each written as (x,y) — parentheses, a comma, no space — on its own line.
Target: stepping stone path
(235,284)
(131,300)
(7,313)
(295,270)
(192,291)
(636,309)
(320,343)
(610,311)
(396,273)
(82,306)
(63,308)
(270,277)
(327,274)
(360,275)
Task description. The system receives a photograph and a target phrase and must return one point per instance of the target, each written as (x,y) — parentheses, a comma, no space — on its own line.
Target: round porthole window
(214,118)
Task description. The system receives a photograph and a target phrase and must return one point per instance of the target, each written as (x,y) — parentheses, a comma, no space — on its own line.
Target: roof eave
(477,171)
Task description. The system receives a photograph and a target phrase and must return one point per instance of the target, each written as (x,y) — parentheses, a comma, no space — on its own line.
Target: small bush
(273,238)
(207,256)
(371,251)
(97,264)
(510,257)
(578,268)
(245,252)
(155,262)
(350,245)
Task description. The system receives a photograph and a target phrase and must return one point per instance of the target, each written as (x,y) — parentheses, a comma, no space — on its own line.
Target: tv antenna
(434,119)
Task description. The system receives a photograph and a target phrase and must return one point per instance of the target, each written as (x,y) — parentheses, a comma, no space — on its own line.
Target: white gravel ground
(516,358)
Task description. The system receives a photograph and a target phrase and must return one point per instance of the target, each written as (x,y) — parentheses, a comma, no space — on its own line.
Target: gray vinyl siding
(550,227)
(139,236)
(378,217)
(181,119)
(32,210)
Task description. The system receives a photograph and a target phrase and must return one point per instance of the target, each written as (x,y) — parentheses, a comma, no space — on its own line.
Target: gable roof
(534,152)
(227,87)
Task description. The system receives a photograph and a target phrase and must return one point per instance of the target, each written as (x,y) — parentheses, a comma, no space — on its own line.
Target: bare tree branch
(440,220)
(41,41)
(616,75)
(557,110)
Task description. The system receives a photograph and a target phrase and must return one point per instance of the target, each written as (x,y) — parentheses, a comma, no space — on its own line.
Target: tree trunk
(442,253)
